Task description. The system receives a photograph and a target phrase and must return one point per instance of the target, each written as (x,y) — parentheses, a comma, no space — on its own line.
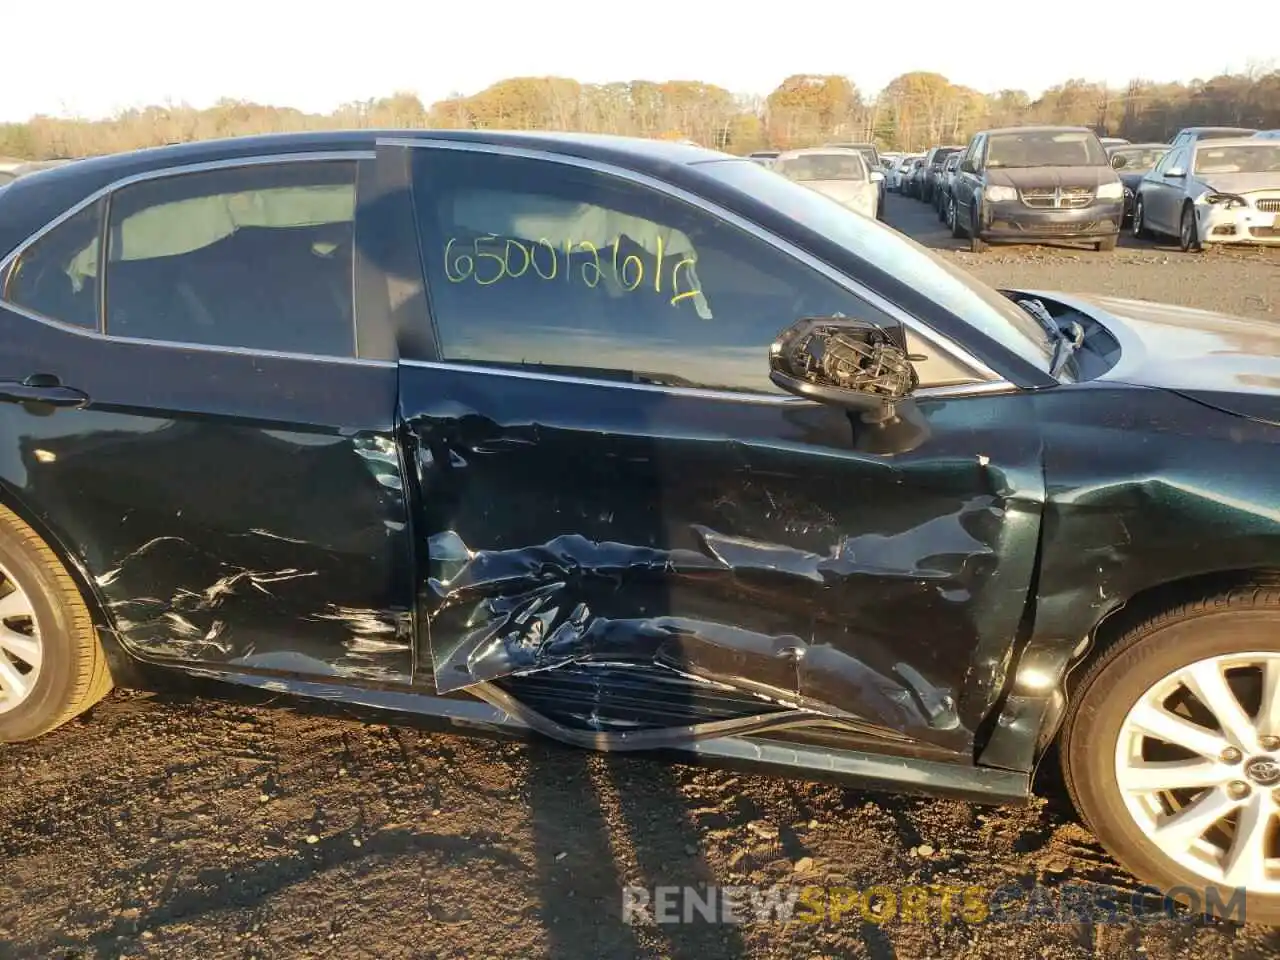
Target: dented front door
(625,526)
(747,544)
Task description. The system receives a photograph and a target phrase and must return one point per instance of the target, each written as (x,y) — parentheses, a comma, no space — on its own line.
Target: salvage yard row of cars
(640,446)
(1209,185)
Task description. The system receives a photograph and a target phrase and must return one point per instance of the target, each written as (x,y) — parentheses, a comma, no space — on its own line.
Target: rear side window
(257,257)
(56,277)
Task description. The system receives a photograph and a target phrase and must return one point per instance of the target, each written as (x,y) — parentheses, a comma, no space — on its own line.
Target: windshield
(1138,158)
(822,166)
(954,289)
(1251,158)
(1045,148)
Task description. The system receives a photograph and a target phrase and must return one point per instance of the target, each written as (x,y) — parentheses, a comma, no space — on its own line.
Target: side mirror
(1119,161)
(845,362)
(876,176)
(1177,173)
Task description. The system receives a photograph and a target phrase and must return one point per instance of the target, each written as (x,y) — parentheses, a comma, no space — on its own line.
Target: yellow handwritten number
(489,255)
(463,266)
(555,260)
(507,261)
(693,291)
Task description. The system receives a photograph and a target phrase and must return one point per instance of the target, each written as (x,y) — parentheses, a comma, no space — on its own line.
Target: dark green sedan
(639,446)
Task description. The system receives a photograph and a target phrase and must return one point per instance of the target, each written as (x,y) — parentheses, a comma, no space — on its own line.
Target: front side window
(538,263)
(257,257)
(56,276)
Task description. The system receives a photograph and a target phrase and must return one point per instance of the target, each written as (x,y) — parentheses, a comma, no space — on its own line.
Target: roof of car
(1039,128)
(1217,142)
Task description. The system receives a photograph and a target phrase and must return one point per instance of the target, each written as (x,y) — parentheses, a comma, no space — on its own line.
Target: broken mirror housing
(846,362)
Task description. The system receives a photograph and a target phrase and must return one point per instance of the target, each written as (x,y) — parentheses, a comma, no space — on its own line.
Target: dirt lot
(186,827)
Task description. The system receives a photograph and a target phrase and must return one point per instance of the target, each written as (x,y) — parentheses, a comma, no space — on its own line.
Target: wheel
(1188,237)
(52,667)
(976,243)
(1171,750)
(1140,221)
(941,207)
(953,219)
(1106,244)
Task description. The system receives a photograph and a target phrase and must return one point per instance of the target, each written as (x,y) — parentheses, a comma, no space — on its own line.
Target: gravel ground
(181,826)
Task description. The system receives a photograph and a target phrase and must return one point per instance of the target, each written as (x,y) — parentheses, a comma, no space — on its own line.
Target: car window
(48,277)
(257,257)
(533,262)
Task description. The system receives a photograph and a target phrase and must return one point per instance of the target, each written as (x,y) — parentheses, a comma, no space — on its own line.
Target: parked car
(913,178)
(932,167)
(942,185)
(872,157)
(639,446)
(1213,191)
(1036,183)
(1132,162)
(837,173)
(901,170)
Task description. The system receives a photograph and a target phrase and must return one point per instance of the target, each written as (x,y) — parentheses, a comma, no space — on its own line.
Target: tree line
(913,112)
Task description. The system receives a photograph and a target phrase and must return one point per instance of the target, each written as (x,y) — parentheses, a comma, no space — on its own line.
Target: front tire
(1171,750)
(1188,234)
(52,667)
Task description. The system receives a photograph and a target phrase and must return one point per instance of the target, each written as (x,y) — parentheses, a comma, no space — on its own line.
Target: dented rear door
(625,527)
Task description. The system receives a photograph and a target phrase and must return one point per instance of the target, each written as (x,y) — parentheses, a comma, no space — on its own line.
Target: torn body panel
(743,544)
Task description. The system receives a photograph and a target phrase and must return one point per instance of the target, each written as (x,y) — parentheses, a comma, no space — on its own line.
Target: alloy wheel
(1198,766)
(21,651)
(1136,224)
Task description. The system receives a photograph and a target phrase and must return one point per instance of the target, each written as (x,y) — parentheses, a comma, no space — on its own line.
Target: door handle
(42,388)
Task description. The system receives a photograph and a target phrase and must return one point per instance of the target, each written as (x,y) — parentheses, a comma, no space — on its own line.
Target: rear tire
(52,667)
(1182,672)
(1140,229)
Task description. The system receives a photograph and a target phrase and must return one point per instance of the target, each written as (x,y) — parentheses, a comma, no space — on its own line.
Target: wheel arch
(120,663)
(1027,723)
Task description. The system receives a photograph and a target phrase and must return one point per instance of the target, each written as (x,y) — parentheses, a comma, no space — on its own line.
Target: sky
(91,59)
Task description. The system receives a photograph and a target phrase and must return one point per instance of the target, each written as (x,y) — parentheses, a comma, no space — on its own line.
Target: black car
(1132,162)
(638,446)
(1036,183)
(872,155)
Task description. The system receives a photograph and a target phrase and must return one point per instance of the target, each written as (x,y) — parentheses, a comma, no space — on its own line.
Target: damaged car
(1212,191)
(639,446)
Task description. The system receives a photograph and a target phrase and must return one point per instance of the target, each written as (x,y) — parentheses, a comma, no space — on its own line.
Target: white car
(839,174)
(1213,191)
